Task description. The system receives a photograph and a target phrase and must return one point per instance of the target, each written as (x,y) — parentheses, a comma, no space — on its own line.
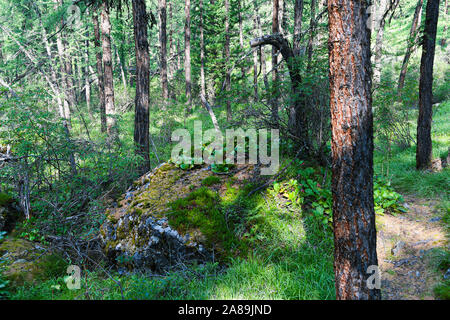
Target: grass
(402,173)
(290,258)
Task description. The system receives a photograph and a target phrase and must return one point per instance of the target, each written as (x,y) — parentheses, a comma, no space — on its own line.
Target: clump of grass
(211,180)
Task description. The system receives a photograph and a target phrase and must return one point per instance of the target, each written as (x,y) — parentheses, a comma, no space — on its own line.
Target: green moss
(201,211)
(51,266)
(442,291)
(211,180)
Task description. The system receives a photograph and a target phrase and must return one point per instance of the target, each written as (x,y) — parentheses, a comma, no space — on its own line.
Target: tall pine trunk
(141,119)
(108,83)
(99,59)
(227,59)
(163,50)
(187,53)
(275,29)
(202,54)
(424,147)
(352,149)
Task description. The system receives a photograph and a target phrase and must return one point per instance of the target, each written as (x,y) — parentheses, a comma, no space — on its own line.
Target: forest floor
(405,246)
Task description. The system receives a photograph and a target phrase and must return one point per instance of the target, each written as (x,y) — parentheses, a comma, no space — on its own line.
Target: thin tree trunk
(424,146)
(52,70)
(298,14)
(87,83)
(413,35)
(241,34)
(379,41)
(227,59)
(63,71)
(99,58)
(172,47)
(352,149)
(202,54)
(141,120)
(275,29)
(108,70)
(255,56)
(312,29)
(444,32)
(163,50)
(187,53)
(121,66)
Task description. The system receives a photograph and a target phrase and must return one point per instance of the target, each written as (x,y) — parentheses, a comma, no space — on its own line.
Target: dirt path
(402,245)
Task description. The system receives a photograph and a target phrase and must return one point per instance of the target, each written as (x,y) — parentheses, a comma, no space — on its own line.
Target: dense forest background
(74,136)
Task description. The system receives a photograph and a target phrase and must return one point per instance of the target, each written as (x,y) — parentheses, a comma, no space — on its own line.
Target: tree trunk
(141,119)
(298,13)
(63,70)
(172,47)
(187,52)
(163,50)
(87,83)
(379,41)
(275,29)
(312,29)
(227,59)
(255,56)
(99,58)
(202,54)
(424,151)
(352,149)
(413,35)
(444,32)
(108,70)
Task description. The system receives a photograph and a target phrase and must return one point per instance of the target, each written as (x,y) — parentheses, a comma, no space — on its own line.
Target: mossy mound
(170,215)
(26,262)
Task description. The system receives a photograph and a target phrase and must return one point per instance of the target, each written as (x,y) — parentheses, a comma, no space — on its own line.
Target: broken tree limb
(211,113)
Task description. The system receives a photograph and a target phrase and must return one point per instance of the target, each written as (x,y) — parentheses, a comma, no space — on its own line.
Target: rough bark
(141,119)
(105,26)
(424,147)
(352,149)
(163,49)
(187,52)
(99,59)
(413,35)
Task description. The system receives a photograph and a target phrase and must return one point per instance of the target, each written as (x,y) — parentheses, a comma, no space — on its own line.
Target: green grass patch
(211,180)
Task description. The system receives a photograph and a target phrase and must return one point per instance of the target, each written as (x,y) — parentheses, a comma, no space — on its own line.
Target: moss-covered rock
(168,215)
(26,262)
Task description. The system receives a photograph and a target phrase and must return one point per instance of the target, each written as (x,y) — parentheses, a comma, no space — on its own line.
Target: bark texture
(352,149)
(141,118)
(424,147)
(107,69)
